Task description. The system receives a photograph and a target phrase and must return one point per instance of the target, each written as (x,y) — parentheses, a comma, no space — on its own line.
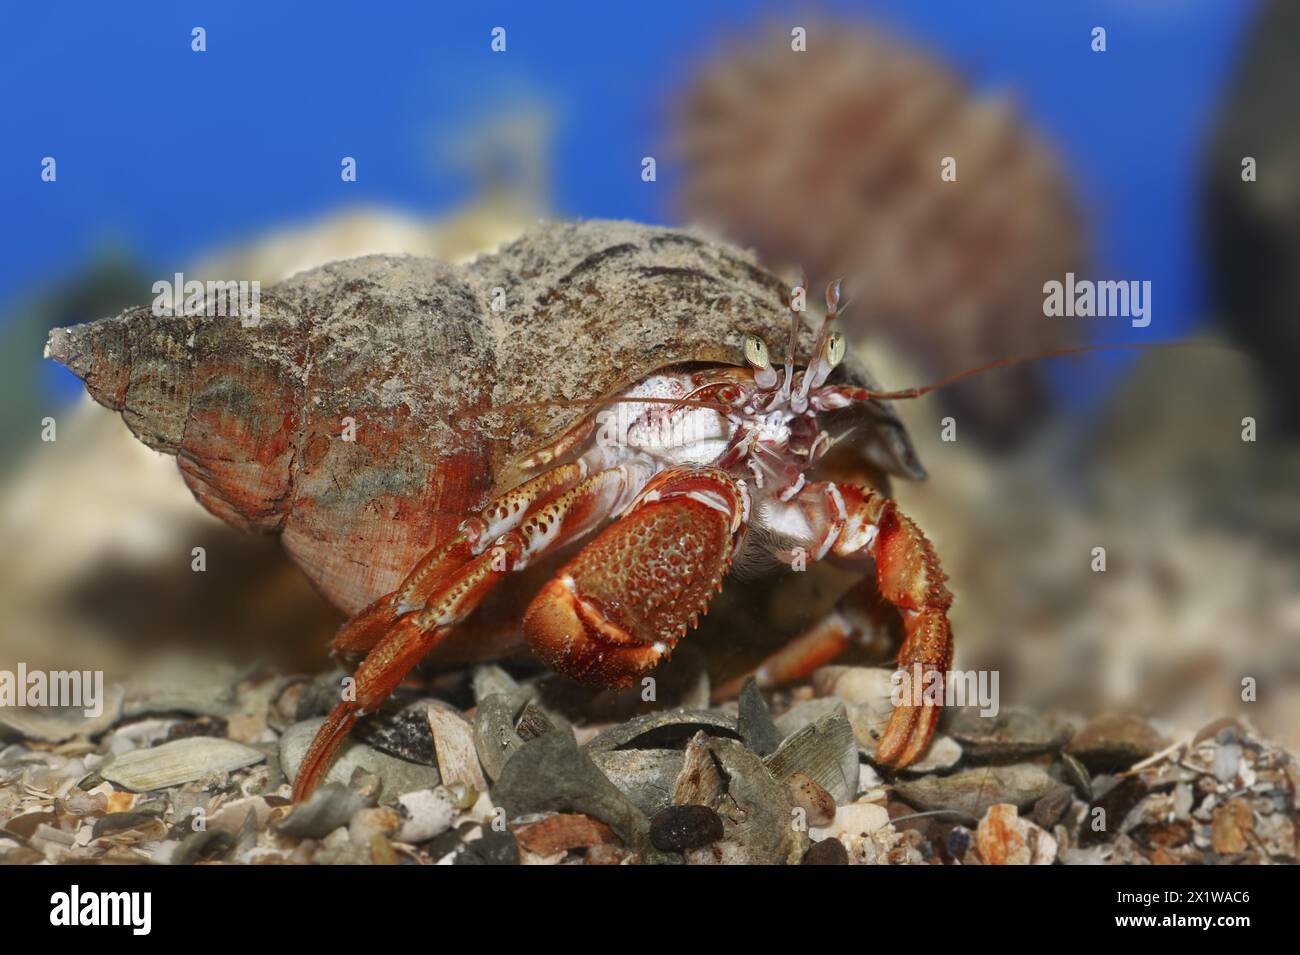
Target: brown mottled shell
(414,352)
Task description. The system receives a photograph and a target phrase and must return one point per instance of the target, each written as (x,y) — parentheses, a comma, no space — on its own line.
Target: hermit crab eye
(835,349)
(756,352)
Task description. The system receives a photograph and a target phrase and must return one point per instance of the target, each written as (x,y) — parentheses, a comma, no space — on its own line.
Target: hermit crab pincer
(592,412)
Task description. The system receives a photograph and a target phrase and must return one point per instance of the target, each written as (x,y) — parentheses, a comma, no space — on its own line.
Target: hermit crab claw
(618,608)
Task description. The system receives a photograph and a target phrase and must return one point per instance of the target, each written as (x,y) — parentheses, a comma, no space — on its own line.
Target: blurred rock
(833,161)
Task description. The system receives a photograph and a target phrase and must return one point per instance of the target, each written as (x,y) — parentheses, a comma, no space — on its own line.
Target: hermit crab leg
(503,514)
(612,613)
(567,517)
(795,660)
(561,446)
(909,577)
(853,522)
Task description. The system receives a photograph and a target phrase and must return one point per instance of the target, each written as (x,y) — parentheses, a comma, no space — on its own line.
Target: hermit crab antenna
(799,291)
(827,353)
(1068,352)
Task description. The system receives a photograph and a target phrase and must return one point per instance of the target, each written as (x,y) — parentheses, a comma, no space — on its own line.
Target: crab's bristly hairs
(756,558)
(922,390)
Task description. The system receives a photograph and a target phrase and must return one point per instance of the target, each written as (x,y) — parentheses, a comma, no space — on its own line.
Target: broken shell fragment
(809,712)
(756,808)
(551,774)
(495,739)
(563,832)
(754,722)
(826,752)
(180,761)
(699,779)
(453,741)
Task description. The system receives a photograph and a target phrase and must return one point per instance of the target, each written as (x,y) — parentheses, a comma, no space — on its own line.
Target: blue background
(173,153)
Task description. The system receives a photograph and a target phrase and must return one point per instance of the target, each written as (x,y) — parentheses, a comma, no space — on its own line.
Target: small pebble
(425,813)
(1226,761)
(679,828)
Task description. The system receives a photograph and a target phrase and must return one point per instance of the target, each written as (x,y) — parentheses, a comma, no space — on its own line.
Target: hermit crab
(570,442)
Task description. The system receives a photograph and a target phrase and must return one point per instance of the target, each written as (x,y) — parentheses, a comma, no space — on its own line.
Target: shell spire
(222,397)
(138,364)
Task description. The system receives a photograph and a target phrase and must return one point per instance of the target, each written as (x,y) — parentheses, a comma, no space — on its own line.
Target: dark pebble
(203,726)
(959,840)
(1049,810)
(1116,801)
(402,733)
(448,841)
(678,828)
(493,848)
(120,821)
(826,852)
